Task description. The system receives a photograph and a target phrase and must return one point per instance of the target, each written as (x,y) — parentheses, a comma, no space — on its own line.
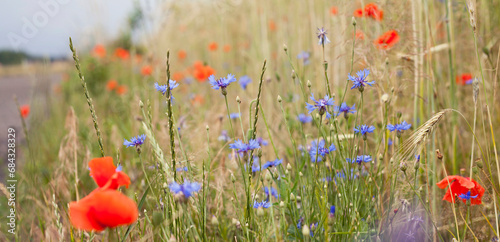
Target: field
(276,120)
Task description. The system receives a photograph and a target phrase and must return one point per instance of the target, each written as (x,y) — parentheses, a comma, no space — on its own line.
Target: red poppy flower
(201,72)
(146,70)
(387,40)
(181,54)
(99,51)
(122,53)
(334,10)
(464,79)
(178,76)
(358,13)
(360,35)
(101,209)
(227,48)
(272,25)
(121,90)
(373,11)
(25,111)
(103,171)
(461,185)
(213,46)
(111,85)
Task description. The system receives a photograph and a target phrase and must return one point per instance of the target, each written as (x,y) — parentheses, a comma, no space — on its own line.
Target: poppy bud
(157,218)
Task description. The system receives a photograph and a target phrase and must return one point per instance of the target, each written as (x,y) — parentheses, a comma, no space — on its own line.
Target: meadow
(272,121)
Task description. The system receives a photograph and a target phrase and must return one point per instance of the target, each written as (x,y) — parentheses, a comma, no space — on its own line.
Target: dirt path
(28,89)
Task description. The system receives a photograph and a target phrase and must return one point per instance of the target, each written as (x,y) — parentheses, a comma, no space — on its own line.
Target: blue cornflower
(399,128)
(274,192)
(322,37)
(304,56)
(321,149)
(466,196)
(299,223)
(244,81)
(360,159)
(272,163)
(360,80)
(224,136)
(417,157)
(261,141)
(344,108)
(187,189)
(262,204)
(234,115)
(180,169)
(119,168)
(221,83)
(364,130)
(313,227)
(303,118)
(255,165)
(320,104)
(332,211)
(243,147)
(135,141)
(163,88)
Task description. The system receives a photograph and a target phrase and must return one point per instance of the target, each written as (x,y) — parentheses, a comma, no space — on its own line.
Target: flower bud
(305,230)
(279,99)
(214,220)
(353,21)
(285,48)
(309,84)
(238,99)
(260,212)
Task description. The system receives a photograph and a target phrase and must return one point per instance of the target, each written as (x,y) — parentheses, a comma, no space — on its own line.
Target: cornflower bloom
(163,88)
(364,130)
(344,108)
(322,37)
(135,141)
(399,128)
(221,83)
(319,151)
(262,204)
(359,81)
(243,148)
(187,189)
(321,105)
(272,163)
(244,81)
(273,192)
(304,118)
(304,56)
(360,159)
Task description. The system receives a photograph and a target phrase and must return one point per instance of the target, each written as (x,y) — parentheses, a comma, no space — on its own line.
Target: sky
(42,27)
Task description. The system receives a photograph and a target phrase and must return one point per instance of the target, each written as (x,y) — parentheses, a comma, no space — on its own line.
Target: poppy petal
(462,180)
(102,169)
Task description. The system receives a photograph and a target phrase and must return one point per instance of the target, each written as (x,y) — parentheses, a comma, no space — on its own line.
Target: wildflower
(464,79)
(24,110)
(213,46)
(135,141)
(321,105)
(399,128)
(120,90)
(101,209)
(461,186)
(234,115)
(387,40)
(360,159)
(332,211)
(202,72)
(300,222)
(334,10)
(370,10)
(255,166)
(221,83)
(224,136)
(360,81)
(178,76)
(163,88)
(99,51)
(106,174)
(304,56)
(364,130)
(180,169)
(227,48)
(272,163)
(262,204)
(187,189)
(358,13)
(244,81)
(122,53)
(243,147)
(304,118)
(319,151)
(181,54)
(312,227)
(146,70)
(344,108)
(360,35)
(272,25)
(111,85)
(261,141)
(322,37)
(273,191)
